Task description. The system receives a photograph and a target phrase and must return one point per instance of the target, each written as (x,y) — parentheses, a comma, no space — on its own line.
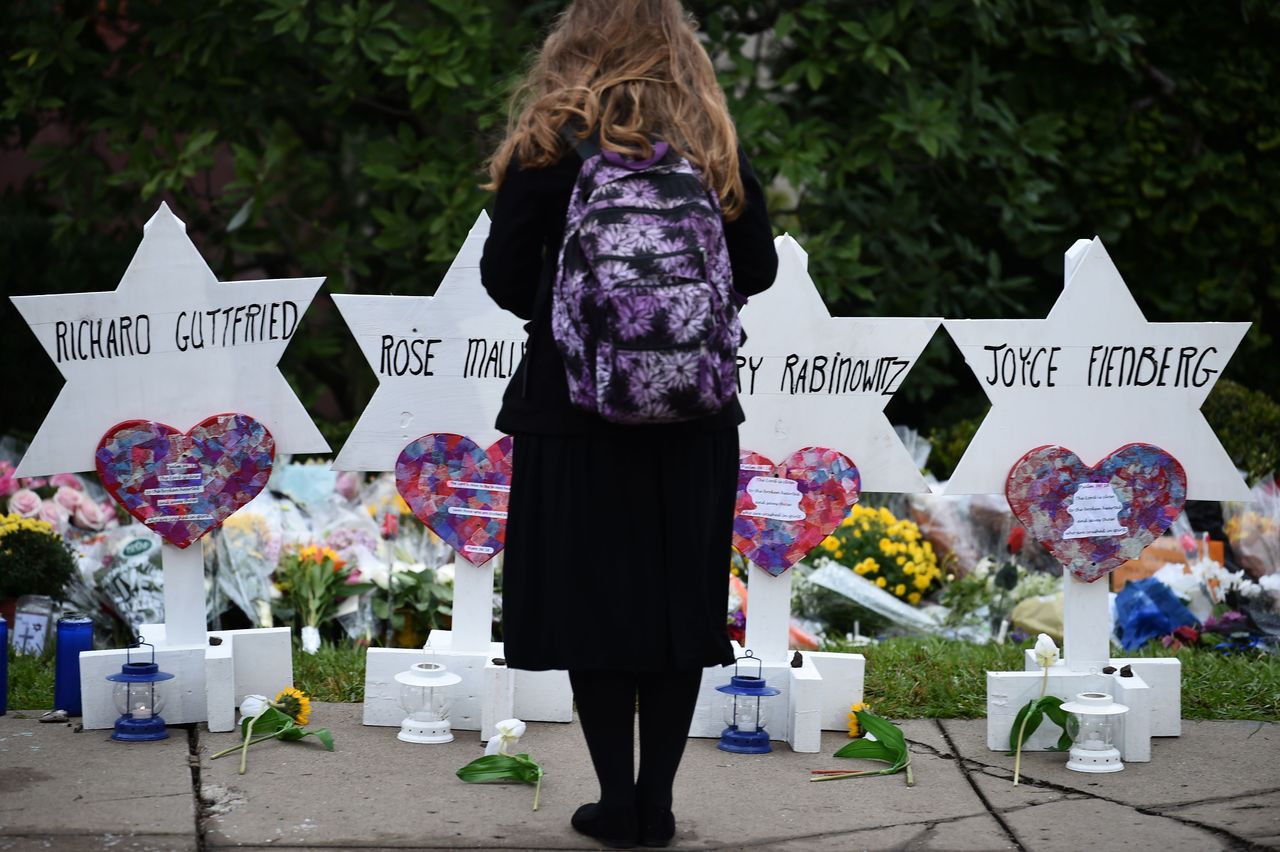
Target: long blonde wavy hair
(635,69)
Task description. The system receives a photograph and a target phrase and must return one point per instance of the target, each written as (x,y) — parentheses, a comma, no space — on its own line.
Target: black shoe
(657,830)
(589,820)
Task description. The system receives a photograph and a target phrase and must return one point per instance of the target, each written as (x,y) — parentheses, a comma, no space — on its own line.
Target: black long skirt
(617,551)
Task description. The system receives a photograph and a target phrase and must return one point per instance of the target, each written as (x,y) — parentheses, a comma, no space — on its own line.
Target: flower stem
(911,778)
(254,741)
(244,750)
(1017,760)
(537,791)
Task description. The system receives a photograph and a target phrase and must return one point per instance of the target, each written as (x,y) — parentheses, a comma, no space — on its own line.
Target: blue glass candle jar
(75,634)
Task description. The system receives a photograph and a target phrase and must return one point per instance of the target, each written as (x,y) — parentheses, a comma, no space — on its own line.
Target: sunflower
(855,730)
(294,703)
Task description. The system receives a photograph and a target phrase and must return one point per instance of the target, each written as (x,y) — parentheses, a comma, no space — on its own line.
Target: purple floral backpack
(643,307)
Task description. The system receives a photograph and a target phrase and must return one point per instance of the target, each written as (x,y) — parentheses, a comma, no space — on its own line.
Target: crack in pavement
(193,761)
(1235,841)
(926,824)
(977,791)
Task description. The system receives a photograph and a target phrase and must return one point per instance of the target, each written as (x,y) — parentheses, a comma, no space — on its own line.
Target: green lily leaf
(889,746)
(268,723)
(1035,712)
(501,767)
(294,733)
(868,750)
(887,733)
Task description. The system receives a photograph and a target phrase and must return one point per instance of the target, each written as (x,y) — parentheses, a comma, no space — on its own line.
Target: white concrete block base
(1153,695)
(210,680)
(816,697)
(489,692)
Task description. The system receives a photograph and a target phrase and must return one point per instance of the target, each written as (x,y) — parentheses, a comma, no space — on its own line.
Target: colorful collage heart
(184,484)
(459,490)
(1093,519)
(785,510)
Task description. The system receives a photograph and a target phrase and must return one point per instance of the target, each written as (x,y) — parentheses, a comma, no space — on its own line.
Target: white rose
(444,574)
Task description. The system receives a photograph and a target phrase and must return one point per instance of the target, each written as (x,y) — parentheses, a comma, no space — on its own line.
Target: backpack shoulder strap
(586,148)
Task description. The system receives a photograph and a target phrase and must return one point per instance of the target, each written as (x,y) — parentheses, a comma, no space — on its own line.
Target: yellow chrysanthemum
(881,582)
(900,589)
(294,703)
(913,598)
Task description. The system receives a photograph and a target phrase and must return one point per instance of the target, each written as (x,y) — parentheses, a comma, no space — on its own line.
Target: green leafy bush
(1248,422)
(934,158)
(34,560)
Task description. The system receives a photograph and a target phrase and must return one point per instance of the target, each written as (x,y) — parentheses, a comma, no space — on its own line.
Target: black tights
(606,708)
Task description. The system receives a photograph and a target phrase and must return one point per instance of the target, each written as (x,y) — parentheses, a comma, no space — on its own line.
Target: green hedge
(935,158)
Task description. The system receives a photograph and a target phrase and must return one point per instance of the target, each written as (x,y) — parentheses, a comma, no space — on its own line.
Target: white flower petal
(1046,652)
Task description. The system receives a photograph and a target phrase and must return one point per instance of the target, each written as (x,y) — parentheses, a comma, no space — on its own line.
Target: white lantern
(1095,723)
(424,695)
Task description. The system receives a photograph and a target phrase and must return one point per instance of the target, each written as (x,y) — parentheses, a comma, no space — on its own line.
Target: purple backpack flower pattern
(643,307)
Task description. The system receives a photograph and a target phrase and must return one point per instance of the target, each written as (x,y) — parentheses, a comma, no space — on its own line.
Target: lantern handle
(750,657)
(138,643)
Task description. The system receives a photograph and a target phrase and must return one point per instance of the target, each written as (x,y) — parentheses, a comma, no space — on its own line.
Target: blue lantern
(140,696)
(745,710)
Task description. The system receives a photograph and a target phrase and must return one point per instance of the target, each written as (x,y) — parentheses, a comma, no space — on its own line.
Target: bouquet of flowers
(886,550)
(1254,529)
(311,579)
(989,592)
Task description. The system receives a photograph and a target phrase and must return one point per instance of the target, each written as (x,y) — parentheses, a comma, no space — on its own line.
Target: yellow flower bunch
(318,555)
(855,730)
(887,550)
(14,523)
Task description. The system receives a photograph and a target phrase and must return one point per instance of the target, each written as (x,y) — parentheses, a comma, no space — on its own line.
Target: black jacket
(517,270)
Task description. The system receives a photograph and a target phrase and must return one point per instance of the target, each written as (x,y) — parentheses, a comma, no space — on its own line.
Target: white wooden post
(184,607)
(1086,624)
(768,614)
(473,606)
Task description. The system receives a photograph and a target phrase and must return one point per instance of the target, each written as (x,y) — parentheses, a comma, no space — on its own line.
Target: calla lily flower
(1046,652)
(509,733)
(254,706)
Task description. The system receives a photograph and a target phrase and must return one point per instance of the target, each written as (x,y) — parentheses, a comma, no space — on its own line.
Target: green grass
(940,679)
(334,673)
(30,681)
(906,679)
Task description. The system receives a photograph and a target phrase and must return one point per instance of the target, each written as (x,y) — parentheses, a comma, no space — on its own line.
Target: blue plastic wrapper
(1148,609)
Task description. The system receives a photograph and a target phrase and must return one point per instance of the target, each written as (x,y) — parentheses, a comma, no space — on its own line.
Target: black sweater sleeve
(524,215)
(750,238)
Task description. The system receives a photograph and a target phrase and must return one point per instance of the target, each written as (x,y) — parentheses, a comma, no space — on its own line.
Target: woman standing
(617,544)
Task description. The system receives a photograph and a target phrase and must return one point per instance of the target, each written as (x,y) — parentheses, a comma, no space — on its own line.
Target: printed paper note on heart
(459,490)
(182,485)
(1095,518)
(786,510)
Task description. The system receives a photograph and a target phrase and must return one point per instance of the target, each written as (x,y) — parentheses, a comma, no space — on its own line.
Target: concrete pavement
(1215,788)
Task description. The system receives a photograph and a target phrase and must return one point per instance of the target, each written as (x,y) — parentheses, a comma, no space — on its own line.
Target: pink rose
(68,498)
(6,466)
(8,484)
(348,484)
(33,482)
(55,514)
(66,480)
(25,502)
(89,515)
